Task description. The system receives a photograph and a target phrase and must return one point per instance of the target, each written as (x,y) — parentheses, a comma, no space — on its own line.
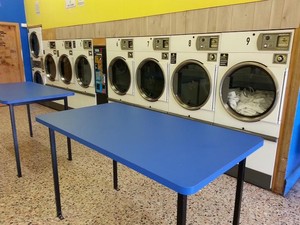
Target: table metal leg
(181,209)
(14,132)
(29,120)
(55,174)
(239,192)
(68,139)
(115,175)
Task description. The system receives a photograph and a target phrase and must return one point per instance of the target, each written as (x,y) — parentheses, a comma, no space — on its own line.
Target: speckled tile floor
(88,197)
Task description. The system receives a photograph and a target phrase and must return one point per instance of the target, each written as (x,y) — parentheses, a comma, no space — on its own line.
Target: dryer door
(150,80)
(83,71)
(34,44)
(38,78)
(191,85)
(50,67)
(119,76)
(65,69)
(249,91)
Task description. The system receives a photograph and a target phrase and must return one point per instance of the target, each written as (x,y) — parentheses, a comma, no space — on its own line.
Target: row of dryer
(67,64)
(36,54)
(237,80)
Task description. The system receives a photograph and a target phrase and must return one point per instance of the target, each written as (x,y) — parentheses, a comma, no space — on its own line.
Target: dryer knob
(212,57)
(279,58)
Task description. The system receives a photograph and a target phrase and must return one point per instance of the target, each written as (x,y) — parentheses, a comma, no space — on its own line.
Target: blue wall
(293,164)
(14,11)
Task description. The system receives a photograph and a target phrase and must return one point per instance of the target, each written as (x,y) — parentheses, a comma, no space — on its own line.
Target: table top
(26,92)
(181,154)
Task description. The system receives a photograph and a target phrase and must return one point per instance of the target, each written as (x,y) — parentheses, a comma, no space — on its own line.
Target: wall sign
(80,3)
(70,4)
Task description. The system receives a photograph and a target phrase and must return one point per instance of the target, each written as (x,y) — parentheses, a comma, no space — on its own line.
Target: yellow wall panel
(53,13)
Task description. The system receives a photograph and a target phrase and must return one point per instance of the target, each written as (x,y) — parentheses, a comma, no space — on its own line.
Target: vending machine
(100,74)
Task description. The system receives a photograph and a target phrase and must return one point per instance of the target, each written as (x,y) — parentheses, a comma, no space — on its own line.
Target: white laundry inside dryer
(250,103)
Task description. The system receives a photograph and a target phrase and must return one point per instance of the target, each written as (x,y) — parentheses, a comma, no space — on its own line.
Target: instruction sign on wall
(70,4)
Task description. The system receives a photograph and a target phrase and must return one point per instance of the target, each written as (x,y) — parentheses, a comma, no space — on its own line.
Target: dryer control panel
(52,44)
(68,44)
(274,41)
(127,44)
(207,43)
(87,44)
(161,44)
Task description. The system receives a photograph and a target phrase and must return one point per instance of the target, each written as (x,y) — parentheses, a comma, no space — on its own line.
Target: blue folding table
(13,94)
(181,154)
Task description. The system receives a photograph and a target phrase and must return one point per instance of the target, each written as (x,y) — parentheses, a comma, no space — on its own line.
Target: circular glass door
(150,80)
(65,69)
(37,77)
(83,71)
(248,91)
(119,76)
(34,44)
(191,85)
(50,67)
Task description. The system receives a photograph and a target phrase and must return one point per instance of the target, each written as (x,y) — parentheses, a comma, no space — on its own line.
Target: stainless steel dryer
(251,90)
(36,54)
(152,57)
(252,80)
(120,69)
(66,64)
(50,62)
(84,66)
(193,74)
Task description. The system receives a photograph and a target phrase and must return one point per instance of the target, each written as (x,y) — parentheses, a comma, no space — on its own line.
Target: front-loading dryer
(65,64)
(193,74)
(38,76)
(120,69)
(252,78)
(36,54)
(152,57)
(251,89)
(84,66)
(50,62)
(35,42)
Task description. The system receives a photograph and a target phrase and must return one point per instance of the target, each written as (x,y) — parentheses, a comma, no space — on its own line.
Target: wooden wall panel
(159,25)
(99,41)
(223,20)
(212,20)
(178,22)
(136,27)
(196,21)
(88,31)
(78,31)
(66,32)
(100,30)
(262,15)
(293,84)
(243,17)
(291,17)
(116,28)
(49,34)
(276,14)
(11,61)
